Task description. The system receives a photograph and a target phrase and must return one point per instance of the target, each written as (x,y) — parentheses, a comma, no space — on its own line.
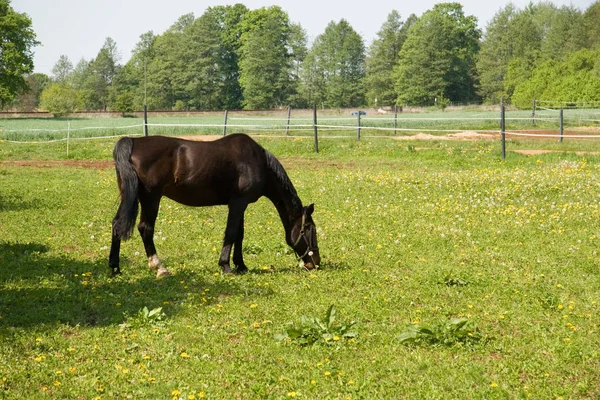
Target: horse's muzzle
(312,260)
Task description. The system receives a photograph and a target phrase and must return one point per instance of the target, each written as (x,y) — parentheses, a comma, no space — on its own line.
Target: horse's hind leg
(148,216)
(238,257)
(113,258)
(236,216)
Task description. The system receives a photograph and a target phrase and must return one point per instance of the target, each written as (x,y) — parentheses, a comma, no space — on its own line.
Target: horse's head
(304,234)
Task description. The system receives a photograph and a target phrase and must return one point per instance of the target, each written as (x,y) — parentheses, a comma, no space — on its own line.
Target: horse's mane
(283,178)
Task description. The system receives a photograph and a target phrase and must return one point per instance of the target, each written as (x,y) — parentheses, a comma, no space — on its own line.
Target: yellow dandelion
(57,383)
(327,373)
(253,305)
(291,394)
(175,392)
(494,384)
(184,355)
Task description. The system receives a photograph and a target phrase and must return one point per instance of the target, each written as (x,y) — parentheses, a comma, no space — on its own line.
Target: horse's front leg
(238,257)
(236,215)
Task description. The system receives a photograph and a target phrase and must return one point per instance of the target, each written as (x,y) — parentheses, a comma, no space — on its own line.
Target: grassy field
(466,277)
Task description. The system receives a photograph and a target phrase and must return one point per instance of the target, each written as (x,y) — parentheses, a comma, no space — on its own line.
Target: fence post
(145,120)
(560,139)
(358,124)
(395,117)
(68,136)
(503,128)
(287,127)
(533,112)
(225,123)
(315,128)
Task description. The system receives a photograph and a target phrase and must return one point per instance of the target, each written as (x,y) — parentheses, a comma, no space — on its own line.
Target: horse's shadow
(37,290)
(296,269)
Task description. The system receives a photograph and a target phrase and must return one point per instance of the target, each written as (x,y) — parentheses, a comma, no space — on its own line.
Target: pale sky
(78,28)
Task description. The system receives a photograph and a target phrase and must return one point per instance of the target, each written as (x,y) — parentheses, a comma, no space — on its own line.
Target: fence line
(327,124)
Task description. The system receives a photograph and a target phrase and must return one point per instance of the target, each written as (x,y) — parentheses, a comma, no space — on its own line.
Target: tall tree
(29,99)
(230,18)
(167,70)
(132,78)
(437,60)
(100,74)
(62,69)
(591,17)
(563,32)
(495,54)
(213,71)
(265,59)
(334,68)
(17,40)
(382,57)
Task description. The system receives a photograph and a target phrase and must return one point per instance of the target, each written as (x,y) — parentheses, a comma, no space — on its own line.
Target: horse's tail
(128,186)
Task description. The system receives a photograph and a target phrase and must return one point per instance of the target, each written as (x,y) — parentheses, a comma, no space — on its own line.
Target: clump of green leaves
(452,280)
(314,330)
(154,318)
(456,331)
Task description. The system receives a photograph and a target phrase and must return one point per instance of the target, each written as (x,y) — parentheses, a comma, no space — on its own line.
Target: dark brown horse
(233,171)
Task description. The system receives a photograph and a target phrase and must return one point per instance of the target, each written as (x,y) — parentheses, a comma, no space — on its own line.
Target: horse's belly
(196,198)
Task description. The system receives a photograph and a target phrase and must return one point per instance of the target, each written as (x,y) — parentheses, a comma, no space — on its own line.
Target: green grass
(409,235)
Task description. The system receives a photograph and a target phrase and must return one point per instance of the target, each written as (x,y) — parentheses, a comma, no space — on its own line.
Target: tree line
(232,57)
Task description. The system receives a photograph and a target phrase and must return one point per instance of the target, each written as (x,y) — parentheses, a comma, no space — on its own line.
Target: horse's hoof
(227,271)
(241,270)
(162,273)
(115,272)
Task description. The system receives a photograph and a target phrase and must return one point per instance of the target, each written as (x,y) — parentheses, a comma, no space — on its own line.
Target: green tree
(573,79)
(591,17)
(212,75)
(62,69)
(60,100)
(265,59)
(230,18)
(103,70)
(563,32)
(17,40)
(494,56)
(166,73)
(29,99)
(334,68)
(382,57)
(437,60)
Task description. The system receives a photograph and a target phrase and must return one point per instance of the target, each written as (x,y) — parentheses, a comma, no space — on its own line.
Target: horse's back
(200,173)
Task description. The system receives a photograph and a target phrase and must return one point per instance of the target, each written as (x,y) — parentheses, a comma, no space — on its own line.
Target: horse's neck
(289,209)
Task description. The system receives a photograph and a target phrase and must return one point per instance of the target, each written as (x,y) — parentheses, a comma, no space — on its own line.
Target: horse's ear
(309,209)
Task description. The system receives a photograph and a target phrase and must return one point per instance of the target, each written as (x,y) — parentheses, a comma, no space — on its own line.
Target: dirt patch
(467,135)
(95,164)
(538,152)
(202,138)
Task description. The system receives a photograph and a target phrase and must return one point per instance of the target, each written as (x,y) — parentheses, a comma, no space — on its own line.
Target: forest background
(232,57)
